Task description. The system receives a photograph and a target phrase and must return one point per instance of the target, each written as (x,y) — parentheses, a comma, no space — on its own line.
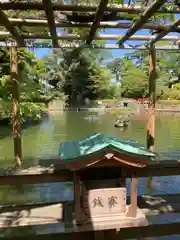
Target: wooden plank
(143,18)
(99,235)
(77,197)
(144,201)
(151,205)
(55,236)
(132,211)
(44,23)
(154,230)
(33,216)
(4,35)
(110,234)
(150,170)
(51,22)
(83,8)
(97,19)
(11,28)
(54,214)
(57,174)
(165,32)
(15,84)
(101,37)
(33,177)
(29,206)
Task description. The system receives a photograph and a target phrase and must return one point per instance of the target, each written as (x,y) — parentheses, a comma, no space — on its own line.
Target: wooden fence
(56,174)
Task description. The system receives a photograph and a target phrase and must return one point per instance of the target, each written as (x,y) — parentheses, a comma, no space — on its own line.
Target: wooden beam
(50,17)
(83,8)
(15,81)
(4,35)
(163,33)
(102,37)
(153,230)
(77,198)
(151,106)
(56,174)
(33,176)
(132,210)
(152,99)
(150,204)
(44,23)
(97,19)
(11,28)
(143,18)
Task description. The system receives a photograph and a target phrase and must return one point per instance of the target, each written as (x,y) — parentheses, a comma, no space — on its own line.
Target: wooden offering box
(105,202)
(102,204)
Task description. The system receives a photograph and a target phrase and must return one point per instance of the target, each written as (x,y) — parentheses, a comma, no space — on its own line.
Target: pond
(41,142)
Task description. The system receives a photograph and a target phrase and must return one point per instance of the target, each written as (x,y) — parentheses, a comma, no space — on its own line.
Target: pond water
(41,142)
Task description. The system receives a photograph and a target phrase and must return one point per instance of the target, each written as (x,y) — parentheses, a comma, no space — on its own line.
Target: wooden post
(99,235)
(123,177)
(151,105)
(77,198)
(132,211)
(15,80)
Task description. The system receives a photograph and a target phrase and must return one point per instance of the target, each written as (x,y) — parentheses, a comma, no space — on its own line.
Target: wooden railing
(56,174)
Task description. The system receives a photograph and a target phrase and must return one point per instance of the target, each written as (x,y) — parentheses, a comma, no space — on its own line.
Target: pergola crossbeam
(51,22)
(82,8)
(11,28)
(165,32)
(44,23)
(71,37)
(97,19)
(143,18)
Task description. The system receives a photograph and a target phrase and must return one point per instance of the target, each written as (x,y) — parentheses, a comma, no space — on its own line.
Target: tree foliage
(79,74)
(116,67)
(33,94)
(134,74)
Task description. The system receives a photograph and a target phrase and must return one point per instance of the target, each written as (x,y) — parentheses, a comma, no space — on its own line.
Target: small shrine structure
(103,203)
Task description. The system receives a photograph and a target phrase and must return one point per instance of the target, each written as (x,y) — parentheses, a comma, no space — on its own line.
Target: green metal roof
(98,142)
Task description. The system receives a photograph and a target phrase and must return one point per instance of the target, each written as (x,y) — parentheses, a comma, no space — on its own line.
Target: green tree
(167,67)
(116,67)
(33,94)
(134,81)
(79,74)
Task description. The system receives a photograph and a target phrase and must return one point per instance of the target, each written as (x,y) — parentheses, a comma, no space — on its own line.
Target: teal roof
(95,143)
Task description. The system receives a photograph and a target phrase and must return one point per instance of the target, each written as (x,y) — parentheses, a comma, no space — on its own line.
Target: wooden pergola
(97,17)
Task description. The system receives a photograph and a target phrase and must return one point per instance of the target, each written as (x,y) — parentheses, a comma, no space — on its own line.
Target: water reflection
(42,141)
